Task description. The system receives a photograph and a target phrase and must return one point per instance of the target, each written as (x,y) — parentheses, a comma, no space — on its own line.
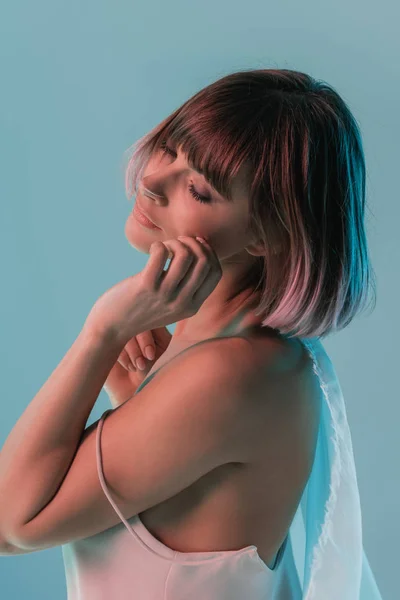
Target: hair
(307,175)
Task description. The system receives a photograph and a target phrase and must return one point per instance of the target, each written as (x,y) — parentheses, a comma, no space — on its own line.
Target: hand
(158,339)
(154,297)
(121,384)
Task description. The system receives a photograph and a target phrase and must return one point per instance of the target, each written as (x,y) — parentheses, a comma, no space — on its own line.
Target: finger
(132,351)
(217,269)
(206,287)
(136,346)
(154,268)
(213,256)
(125,361)
(206,268)
(147,344)
(203,282)
(213,253)
(180,269)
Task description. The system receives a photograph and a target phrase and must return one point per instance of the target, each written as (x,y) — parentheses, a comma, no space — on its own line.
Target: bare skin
(252,502)
(263,494)
(222,223)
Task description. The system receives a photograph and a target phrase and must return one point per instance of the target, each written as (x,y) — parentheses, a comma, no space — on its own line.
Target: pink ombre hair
(307,189)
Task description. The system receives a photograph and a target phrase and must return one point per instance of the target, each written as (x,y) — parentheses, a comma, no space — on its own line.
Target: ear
(258,249)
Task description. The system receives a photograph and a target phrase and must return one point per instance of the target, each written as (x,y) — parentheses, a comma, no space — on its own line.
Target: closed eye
(199,197)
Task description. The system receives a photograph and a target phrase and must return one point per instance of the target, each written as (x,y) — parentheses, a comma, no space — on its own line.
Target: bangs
(300,149)
(217,137)
(216,154)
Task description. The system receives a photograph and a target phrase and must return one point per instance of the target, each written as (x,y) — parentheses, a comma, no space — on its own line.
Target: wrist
(100,336)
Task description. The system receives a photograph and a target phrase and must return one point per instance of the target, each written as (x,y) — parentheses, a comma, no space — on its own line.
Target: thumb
(162,334)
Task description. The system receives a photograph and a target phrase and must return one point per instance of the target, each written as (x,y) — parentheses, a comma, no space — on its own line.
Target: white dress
(322,557)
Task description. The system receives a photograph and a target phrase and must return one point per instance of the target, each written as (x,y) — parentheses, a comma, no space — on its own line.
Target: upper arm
(187,421)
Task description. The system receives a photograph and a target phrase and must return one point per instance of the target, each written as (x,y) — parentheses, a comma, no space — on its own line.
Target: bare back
(251,502)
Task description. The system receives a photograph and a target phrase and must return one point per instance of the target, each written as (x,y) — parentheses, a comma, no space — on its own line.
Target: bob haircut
(307,166)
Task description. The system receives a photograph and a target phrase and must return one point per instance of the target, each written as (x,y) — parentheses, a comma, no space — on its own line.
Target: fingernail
(149,352)
(140,363)
(200,240)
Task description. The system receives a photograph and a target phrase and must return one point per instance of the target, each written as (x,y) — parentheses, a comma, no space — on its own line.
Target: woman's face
(188,205)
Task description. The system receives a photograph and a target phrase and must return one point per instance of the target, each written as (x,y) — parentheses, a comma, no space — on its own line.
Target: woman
(268,166)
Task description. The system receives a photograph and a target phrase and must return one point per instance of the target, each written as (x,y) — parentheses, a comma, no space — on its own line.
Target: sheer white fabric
(327,530)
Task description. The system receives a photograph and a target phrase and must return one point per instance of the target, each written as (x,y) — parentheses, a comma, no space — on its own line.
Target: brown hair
(307,189)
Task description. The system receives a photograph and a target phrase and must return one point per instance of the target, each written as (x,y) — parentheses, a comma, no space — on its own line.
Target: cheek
(227,238)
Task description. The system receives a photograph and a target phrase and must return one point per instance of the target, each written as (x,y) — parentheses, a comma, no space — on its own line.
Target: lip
(140,210)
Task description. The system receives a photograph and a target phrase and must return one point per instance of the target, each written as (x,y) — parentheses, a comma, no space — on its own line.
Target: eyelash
(203,199)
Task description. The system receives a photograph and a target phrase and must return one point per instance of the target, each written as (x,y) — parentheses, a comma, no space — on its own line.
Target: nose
(151,194)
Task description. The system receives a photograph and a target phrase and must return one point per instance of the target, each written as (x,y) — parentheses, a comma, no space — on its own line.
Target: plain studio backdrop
(81,82)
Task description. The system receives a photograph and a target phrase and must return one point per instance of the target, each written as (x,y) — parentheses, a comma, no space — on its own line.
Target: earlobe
(255,247)
(259,250)
(254,250)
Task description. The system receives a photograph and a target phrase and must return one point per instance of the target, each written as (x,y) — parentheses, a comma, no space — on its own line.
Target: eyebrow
(201,172)
(191,165)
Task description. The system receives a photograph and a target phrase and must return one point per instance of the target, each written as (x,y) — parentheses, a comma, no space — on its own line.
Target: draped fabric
(323,558)
(327,529)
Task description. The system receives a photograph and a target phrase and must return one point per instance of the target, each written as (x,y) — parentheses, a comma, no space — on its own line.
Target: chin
(139,238)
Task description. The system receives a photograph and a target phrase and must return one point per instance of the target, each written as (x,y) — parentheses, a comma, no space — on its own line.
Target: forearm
(40,448)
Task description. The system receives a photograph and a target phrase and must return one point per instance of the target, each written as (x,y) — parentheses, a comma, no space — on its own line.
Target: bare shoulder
(279,392)
(210,364)
(214,377)
(250,370)
(259,388)
(286,397)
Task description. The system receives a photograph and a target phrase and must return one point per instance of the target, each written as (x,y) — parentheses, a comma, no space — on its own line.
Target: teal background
(82,81)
